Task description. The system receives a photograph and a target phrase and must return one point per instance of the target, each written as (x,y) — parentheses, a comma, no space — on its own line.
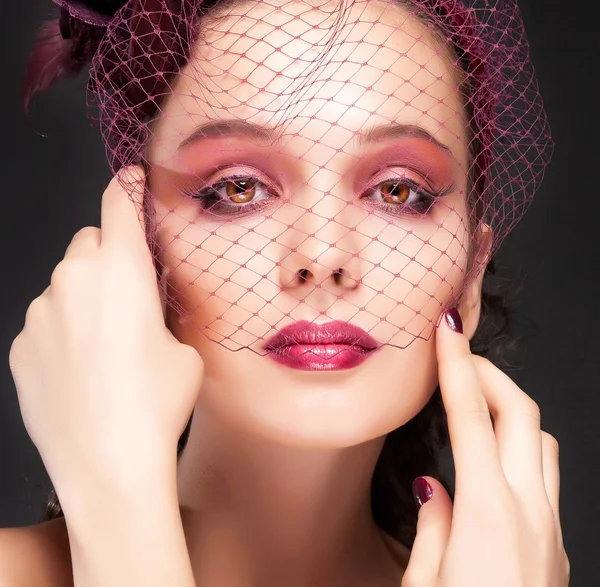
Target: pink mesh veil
(314,161)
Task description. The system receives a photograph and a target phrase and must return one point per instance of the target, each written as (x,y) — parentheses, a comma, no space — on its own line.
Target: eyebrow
(230,128)
(258,133)
(396,130)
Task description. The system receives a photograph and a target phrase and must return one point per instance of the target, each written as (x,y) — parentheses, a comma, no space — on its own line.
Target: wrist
(121,516)
(133,539)
(126,491)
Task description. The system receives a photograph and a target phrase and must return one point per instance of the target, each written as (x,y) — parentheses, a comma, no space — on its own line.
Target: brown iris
(241,191)
(395,193)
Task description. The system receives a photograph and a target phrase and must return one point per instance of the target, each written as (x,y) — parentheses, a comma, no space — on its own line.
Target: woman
(323,185)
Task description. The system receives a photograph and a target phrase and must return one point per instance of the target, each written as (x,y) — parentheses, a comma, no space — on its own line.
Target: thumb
(433,532)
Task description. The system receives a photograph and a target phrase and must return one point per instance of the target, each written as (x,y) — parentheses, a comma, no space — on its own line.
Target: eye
(401,196)
(233,196)
(242,190)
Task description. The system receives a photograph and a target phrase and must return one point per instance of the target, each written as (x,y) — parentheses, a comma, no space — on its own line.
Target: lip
(332,346)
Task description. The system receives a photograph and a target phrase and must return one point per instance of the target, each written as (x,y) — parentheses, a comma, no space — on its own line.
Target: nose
(320,250)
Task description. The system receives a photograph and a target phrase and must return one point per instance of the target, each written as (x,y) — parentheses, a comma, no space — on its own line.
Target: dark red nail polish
(422,491)
(454,320)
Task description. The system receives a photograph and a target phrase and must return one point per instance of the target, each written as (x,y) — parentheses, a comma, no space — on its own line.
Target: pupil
(395,193)
(241,190)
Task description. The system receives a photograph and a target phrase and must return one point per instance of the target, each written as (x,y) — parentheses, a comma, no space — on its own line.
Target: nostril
(338,276)
(304,274)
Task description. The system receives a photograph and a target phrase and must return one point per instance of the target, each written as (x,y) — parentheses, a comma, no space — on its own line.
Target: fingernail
(422,491)
(454,320)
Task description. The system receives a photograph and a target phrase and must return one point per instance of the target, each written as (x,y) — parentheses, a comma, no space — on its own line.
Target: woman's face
(310,166)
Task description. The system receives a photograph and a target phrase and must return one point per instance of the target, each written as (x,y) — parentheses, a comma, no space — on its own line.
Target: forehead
(316,69)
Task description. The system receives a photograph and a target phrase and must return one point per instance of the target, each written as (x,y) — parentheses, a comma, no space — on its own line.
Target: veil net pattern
(351,160)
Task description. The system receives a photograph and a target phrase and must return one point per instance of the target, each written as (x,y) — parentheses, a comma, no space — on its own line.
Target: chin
(332,409)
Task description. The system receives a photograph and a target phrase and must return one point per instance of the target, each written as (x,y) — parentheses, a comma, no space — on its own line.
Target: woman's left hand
(503,528)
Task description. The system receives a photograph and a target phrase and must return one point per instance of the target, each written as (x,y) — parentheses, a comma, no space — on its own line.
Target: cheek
(223,281)
(426,264)
(415,269)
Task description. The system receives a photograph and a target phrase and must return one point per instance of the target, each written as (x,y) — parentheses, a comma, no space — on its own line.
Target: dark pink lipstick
(321,347)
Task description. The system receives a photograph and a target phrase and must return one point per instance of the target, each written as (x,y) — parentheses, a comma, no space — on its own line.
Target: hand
(504,527)
(105,389)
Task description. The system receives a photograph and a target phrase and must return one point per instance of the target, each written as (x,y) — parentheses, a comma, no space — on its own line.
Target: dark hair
(419,446)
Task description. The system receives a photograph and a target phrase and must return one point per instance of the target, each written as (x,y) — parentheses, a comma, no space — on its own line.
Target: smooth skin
(95,350)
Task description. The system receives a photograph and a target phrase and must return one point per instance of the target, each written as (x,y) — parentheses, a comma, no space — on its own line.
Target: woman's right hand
(503,527)
(105,389)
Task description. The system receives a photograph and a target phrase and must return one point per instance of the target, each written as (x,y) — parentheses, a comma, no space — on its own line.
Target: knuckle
(482,361)
(531,408)
(87,232)
(61,273)
(36,310)
(66,272)
(549,443)
(567,566)
(14,352)
(473,410)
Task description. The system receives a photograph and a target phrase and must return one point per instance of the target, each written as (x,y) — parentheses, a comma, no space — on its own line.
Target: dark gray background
(52,186)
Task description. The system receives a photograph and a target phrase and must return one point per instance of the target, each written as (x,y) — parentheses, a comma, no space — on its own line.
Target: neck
(260,513)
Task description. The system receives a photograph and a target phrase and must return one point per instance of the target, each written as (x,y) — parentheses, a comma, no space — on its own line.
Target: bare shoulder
(36,555)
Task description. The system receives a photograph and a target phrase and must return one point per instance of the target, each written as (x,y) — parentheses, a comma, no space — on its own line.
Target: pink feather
(49,62)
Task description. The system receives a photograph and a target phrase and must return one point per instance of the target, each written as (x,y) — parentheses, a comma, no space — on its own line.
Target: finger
(517,429)
(551,473)
(433,532)
(474,446)
(122,219)
(85,241)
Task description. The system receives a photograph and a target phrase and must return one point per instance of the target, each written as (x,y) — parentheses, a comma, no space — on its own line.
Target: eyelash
(214,203)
